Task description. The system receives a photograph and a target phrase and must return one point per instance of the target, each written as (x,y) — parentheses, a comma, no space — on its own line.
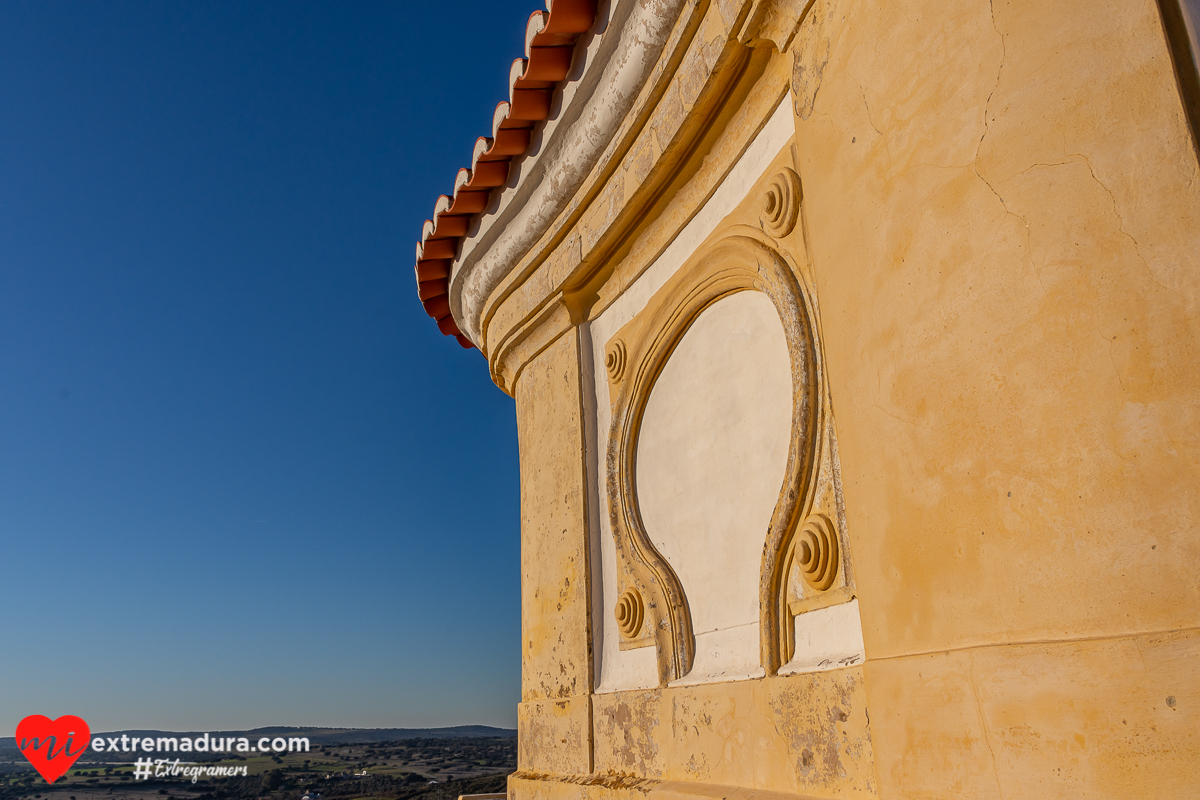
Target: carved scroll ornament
(635,357)
(781,203)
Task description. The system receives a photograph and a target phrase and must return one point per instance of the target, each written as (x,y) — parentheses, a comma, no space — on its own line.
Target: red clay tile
(430,289)
(432,269)
(549,47)
(440,248)
(437,307)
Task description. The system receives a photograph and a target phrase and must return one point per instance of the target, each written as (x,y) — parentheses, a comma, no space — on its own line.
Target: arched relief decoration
(635,356)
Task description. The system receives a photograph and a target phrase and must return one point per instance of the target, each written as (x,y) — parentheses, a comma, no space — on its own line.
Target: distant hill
(316,736)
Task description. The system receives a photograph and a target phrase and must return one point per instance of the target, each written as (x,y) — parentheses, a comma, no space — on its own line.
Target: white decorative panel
(711,459)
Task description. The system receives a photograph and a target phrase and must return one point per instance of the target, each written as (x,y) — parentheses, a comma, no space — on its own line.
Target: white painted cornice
(615,66)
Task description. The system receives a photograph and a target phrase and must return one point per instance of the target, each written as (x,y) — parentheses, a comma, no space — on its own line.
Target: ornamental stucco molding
(804,541)
(546,184)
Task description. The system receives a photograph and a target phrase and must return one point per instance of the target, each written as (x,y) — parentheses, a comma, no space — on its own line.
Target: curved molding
(737,263)
(550,39)
(567,160)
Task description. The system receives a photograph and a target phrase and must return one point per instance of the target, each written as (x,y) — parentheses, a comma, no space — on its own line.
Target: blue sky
(243,479)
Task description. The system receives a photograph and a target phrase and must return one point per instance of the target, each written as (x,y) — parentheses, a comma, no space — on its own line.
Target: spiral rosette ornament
(630,612)
(817,552)
(781,203)
(614,360)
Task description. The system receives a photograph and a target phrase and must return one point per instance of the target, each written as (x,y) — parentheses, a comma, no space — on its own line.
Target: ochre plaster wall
(802,735)
(1002,217)
(1004,210)
(554,717)
(806,734)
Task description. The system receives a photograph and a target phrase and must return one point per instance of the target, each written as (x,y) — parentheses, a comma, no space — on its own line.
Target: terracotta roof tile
(550,37)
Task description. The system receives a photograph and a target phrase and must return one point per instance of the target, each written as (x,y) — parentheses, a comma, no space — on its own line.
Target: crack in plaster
(983,724)
(863,92)
(1121,225)
(987,107)
(1087,162)
(895,416)
(1116,371)
(875,402)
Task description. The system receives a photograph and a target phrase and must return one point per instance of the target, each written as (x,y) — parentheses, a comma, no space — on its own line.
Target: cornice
(550,38)
(534,219)
(590,126)
(601,255)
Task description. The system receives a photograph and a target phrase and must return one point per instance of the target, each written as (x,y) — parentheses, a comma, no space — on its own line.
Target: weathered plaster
(1000,227)
(555,736)
(1011,336)
(555,598)
(802,734)
(1081,720)
(827,638)
(1009,304)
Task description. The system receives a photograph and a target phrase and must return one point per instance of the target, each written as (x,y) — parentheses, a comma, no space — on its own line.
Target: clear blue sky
(243,479)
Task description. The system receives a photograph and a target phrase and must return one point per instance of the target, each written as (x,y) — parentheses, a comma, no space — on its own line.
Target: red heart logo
(50,744)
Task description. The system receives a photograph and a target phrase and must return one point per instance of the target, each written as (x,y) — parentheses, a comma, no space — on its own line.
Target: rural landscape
(342,764)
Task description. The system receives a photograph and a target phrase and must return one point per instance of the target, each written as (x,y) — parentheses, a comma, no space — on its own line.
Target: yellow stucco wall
(1005,223)
(1001,228)
(556,666)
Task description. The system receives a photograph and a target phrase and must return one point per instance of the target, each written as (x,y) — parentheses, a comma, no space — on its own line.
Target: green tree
(272,780)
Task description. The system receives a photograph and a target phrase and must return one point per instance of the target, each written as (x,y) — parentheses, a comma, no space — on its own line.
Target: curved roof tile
(550,37)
